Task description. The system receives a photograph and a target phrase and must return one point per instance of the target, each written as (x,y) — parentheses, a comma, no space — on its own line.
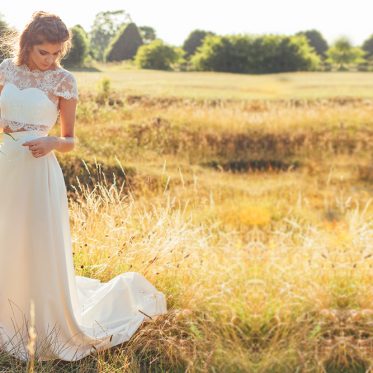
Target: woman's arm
(66,141)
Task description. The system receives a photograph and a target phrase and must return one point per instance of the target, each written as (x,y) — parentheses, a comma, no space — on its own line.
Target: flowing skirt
(74,315)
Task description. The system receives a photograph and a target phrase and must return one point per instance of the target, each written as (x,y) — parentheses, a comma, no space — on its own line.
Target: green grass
(216,85)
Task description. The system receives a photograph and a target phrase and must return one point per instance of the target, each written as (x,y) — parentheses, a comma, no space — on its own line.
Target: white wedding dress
(74,315)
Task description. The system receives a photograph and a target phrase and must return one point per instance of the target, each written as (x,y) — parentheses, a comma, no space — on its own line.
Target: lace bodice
(29,98)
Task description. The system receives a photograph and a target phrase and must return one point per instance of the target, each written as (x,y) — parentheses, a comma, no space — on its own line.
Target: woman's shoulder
(65,74)
(6,69)
(6,62)
(11,61)
(67,86)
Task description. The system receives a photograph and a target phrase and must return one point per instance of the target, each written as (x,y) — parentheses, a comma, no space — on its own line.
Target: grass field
(245,199)
(212,85)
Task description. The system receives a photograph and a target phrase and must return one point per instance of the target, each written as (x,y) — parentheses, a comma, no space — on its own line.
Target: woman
(74,315)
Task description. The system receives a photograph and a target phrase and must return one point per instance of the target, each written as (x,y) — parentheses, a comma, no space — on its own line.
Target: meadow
(246,199)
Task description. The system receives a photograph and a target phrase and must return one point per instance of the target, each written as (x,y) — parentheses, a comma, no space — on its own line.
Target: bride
(74,315)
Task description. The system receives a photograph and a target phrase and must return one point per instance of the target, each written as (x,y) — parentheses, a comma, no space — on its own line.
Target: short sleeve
(67,87)
(3,66)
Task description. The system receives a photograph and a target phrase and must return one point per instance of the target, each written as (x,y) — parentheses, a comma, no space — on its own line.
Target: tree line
(115,37)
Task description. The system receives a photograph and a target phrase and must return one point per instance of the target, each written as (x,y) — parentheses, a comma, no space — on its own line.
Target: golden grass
(251,282)
(264,271)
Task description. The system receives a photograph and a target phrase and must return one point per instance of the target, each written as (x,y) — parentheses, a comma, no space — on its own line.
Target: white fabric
(29,99)
(75,315)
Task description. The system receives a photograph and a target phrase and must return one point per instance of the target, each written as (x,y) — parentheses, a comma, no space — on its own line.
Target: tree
(368,47)
(4,32)
(194,40)
(79,48)
(147,33)
(3,28)
(105,27)
(84,31)
(125,44)
(343,54)
(255,54)
(158,55)
(217,54)
(3,24)
(316,40)
(296,54)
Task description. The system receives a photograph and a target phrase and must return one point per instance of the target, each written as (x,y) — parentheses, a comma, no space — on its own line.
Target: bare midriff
(9,130)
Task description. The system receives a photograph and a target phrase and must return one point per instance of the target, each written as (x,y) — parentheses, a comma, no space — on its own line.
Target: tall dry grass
(249,288)
(265,268)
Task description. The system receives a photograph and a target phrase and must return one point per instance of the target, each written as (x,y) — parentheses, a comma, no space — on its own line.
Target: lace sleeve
(2,71)
(67,87)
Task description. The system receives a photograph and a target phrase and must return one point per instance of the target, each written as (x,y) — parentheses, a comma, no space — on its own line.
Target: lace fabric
(26,109)
(16,126)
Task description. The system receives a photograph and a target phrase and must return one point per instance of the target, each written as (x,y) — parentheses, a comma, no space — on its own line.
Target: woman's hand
(40,146)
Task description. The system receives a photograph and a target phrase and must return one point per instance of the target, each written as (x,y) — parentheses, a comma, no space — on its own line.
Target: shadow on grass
(252,165)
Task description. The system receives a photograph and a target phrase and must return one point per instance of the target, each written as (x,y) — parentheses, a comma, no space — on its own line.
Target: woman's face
(43,56)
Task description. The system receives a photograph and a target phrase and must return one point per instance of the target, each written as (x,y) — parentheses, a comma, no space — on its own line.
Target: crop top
(29,98)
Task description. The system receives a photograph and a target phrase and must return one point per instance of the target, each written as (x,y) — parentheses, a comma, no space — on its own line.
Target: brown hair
(43,27)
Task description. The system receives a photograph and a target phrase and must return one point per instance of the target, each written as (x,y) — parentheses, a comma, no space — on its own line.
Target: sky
(173,20)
